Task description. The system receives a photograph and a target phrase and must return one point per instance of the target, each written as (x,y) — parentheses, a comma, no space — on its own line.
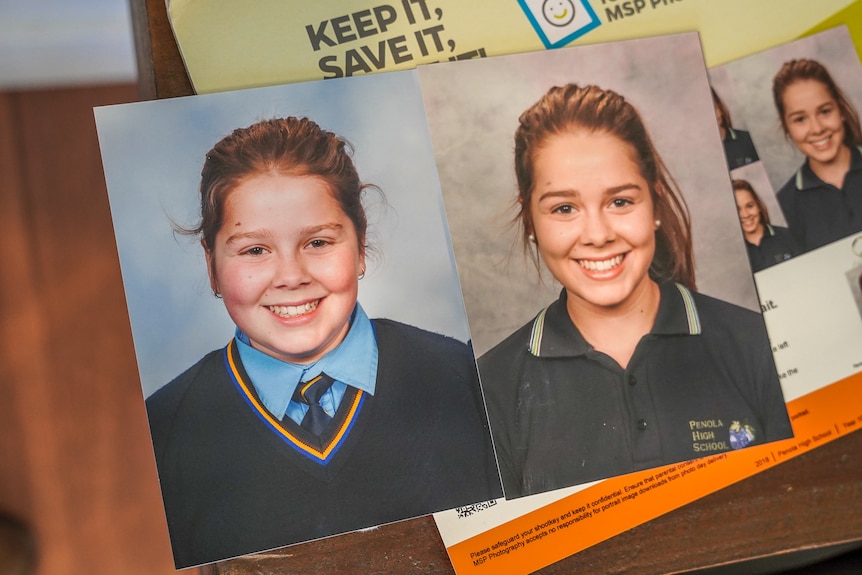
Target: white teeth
(602,265)
(293,310)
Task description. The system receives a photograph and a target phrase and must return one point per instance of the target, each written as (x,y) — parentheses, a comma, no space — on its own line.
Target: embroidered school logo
(740,435)
(558,22)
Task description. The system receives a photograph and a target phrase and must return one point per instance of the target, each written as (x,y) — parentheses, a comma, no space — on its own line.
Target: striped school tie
(310,392)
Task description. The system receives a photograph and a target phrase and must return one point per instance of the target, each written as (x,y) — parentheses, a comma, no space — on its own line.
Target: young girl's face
(287,261)
(814,121)
(593,217)
(749,213)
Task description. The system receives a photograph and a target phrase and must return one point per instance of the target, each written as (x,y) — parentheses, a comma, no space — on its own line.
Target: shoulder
(177,387)
(163,405)
(438,366)
(721,318)
(501,368)
(781,233)
(712,306)
(508,350)
(789,188)
(743,135)
(411,340)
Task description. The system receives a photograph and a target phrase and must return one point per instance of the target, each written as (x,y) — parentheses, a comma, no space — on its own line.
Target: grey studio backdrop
(473,108)
(153,153)
(748,83)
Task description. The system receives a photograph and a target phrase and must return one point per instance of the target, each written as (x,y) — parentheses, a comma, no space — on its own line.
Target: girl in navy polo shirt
(822,201)
(314,420)
(630,368)
(766,244)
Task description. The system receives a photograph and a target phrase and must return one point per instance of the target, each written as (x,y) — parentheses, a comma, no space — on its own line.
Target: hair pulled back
(803,69)
(592,109)
(279,146)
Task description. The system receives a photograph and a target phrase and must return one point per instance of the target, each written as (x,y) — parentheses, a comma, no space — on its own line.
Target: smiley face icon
(558,12)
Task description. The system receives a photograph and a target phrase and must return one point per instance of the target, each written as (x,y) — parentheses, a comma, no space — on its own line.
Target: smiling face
(593,218)
(749,212)
(813,121)
(287,261)
(558,12)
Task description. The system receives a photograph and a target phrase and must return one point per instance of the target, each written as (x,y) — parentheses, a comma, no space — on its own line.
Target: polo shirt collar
(554,334)
(807,179)
(353,362)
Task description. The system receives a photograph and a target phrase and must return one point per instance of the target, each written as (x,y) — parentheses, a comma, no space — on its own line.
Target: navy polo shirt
(739,149)
(818,213)
(562,413)
(776,245)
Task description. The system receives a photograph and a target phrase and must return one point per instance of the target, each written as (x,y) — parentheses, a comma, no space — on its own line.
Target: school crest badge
(740,435)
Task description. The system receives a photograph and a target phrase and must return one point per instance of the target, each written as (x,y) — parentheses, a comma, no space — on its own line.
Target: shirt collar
(806,178)
(555,335)
(353,362)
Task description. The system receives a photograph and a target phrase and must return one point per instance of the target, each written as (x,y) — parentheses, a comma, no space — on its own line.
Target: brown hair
(723,113)
(797,70)
(279,146)
(745,186)
(593,109)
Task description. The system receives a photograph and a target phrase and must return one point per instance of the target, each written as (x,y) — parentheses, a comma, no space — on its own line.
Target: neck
(616,330)
(833,172)
(755,236)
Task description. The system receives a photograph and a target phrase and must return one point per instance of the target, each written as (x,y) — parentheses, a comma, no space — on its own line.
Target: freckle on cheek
(238,224)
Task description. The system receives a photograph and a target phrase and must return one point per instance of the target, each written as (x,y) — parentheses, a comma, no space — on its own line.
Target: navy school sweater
(234,482)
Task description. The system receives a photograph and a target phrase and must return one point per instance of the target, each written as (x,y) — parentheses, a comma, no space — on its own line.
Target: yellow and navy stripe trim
(536,333)
(322,454)
(691,316)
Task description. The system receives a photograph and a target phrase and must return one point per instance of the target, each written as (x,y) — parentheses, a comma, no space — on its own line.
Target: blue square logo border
(594,23)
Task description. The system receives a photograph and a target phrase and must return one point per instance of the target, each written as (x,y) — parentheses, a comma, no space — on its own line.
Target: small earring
(362,273)
(657,224)
(531,237)
(217,294)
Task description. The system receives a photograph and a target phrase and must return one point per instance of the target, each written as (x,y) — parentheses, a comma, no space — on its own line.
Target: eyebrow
(567,193)
(311,230)
(798,112)
(262,234)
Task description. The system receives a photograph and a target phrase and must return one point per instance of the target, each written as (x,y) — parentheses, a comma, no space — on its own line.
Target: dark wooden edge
(161,72)
(805,508)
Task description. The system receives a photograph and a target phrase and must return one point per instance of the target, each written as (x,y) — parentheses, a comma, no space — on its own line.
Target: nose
(291,271)
(597,229)
(816,124)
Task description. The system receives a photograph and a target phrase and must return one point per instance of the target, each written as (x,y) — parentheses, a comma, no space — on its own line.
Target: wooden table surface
(801,509)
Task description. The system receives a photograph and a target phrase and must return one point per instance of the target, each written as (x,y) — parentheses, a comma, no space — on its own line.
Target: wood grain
(76,462)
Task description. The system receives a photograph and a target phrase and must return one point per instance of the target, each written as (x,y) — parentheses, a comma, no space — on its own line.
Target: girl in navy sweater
(313,420)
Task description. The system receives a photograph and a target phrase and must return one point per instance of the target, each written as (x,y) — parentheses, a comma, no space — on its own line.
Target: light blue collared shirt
(353,363)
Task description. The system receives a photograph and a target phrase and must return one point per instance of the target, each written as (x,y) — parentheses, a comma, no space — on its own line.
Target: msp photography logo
(558,22)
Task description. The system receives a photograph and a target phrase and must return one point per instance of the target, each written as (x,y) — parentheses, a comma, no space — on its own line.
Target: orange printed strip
(587,517)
